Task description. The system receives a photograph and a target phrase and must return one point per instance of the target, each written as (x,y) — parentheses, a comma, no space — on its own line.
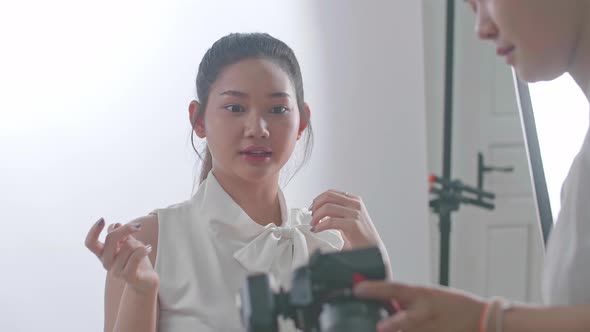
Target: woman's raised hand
(124,256)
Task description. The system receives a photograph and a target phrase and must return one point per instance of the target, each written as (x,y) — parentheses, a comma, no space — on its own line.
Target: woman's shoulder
(174,211)
(148,232)
(176,206)
(148,223)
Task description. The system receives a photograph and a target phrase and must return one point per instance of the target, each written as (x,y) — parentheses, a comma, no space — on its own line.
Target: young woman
(180,268)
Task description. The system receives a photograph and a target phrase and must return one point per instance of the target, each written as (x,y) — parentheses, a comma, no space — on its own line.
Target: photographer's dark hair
(236,47)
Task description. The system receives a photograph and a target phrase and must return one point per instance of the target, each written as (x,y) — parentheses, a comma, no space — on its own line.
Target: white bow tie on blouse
(285,243)
(264,248)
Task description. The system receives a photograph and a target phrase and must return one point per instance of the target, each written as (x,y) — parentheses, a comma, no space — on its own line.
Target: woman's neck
(260,199)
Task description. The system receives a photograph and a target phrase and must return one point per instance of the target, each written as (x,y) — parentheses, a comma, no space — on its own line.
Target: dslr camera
(320,298)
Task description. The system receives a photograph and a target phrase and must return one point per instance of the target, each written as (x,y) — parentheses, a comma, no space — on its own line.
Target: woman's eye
(279,109)
(234,108)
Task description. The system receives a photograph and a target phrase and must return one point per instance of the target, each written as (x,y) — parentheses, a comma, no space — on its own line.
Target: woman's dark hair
(236,47)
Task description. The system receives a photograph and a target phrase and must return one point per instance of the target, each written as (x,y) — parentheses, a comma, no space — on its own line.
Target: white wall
(434,12)
(374,107)
(93,122)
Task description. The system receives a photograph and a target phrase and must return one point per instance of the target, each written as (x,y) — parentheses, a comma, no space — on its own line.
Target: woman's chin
(531,73)
(258,174)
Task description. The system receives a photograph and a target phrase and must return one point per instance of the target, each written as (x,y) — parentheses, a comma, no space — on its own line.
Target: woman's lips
(507,52)
(256,154)
(504,51)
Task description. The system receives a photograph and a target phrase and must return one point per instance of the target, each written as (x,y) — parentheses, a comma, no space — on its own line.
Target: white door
(495,252)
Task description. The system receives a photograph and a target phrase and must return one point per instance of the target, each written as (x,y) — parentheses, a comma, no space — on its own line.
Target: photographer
(541,39)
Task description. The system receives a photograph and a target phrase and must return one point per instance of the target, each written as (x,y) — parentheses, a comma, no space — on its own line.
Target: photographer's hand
(424,309)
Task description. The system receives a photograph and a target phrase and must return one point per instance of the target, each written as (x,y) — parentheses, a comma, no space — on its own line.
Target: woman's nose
(485,28)
(256,126)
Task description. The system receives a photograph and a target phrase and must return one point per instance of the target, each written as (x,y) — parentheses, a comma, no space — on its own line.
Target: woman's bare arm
(128,308)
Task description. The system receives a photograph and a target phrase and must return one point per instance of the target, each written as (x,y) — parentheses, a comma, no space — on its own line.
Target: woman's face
(252,121)
(537,37)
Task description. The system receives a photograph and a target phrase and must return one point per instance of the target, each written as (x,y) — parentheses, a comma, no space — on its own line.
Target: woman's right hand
(124,256)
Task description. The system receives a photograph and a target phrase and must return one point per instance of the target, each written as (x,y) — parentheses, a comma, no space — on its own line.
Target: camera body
(320,298)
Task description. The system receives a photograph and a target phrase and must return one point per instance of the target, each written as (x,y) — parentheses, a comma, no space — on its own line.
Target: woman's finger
(343,193)
(333,211)
(111,243)
(131,268)
(92,242)
(112,227)
(122,257)
(335,197)
(344,225)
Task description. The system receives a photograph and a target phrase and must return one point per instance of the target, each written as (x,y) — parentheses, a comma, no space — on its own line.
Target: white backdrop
(93,122)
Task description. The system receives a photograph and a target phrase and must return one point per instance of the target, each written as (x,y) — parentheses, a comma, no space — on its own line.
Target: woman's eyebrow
(279,95)
(234,93)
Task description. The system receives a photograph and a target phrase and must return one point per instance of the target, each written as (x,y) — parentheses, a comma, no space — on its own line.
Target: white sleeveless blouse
(208,245)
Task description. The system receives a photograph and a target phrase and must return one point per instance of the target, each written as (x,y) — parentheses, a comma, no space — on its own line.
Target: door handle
(482,168)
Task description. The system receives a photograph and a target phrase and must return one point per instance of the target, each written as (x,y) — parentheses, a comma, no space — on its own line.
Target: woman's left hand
(346,213)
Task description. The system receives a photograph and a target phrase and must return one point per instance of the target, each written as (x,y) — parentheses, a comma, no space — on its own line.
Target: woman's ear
(304,120)
(196,118)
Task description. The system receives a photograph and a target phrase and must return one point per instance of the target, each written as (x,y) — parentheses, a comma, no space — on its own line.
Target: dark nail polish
(100,222)
(312,229)
(138,226)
